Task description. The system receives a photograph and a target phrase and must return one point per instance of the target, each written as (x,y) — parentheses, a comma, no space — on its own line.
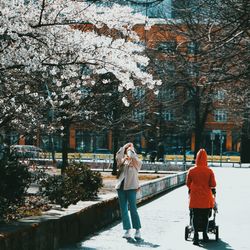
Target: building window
(138,115)
(168,115)
(166,94)
(83,141)
(220,95)
(86,70)
(192,48)
(138,93)
(151,9)
(170,68)
(48,142)
(165,68)
(193,69)
(85,91)
(220,115)
(101,141)
(14,138)
(167,47)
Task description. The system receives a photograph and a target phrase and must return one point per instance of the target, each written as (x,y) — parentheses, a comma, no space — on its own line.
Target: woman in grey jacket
(127,187)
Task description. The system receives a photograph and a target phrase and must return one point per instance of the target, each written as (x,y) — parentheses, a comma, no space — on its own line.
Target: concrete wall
(157,186)
(60,227)
(154,167)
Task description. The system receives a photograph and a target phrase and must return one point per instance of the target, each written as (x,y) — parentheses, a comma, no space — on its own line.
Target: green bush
(14,182)
(77,183)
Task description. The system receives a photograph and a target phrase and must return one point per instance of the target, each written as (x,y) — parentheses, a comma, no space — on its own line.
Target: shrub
(14,182)
(77,183)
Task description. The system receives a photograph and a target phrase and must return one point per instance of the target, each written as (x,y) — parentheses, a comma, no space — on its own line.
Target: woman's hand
(123,159)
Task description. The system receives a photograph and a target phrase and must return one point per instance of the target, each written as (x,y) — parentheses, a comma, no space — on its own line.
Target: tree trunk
(245,139)
(52,147)
(200,120)
(115,149)
(65,145)
(115,130)
(198,139)
(184,144)
(197,129)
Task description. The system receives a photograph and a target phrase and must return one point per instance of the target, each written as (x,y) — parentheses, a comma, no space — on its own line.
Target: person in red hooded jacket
(200,181)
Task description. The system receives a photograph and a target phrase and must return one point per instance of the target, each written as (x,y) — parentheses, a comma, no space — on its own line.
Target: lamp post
(212,137)
(221,142)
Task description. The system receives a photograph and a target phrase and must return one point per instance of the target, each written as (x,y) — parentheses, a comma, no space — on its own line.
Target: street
(165,218)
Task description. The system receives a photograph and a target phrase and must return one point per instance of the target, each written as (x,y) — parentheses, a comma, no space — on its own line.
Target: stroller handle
(212,189)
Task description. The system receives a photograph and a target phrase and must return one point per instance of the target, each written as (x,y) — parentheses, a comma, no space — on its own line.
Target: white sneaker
(126,234)
(137,234)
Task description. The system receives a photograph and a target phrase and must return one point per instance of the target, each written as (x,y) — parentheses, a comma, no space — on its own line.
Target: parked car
(102,151)
(26,151)
(231,153)
(2,150)
(173,150)
(190,152)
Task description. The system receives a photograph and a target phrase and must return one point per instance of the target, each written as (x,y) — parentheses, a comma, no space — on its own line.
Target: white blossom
(47,46)
(125,101)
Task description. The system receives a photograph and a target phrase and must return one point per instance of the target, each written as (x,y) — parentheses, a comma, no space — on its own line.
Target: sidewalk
(164,219)
(163,226)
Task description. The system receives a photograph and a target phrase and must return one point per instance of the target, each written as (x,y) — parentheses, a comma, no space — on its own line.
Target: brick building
(172,114)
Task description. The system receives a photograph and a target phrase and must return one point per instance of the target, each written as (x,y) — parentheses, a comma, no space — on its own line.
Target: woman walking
(200,182)
(127,187)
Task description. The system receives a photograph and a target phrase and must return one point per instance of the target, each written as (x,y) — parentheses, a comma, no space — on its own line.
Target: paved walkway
(164,220)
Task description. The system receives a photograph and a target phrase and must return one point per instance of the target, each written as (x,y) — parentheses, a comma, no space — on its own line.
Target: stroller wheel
(216,233)
(186,232)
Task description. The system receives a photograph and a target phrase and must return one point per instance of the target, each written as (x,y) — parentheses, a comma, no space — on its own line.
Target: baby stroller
(212,227)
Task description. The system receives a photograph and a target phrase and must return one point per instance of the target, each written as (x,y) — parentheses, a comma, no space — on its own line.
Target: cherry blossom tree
(42,37)
(44,49)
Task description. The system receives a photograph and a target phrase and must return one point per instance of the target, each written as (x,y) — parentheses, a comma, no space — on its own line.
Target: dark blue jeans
(128,197)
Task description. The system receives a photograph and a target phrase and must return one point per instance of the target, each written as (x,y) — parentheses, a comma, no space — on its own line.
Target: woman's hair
(121,152)
(126,149)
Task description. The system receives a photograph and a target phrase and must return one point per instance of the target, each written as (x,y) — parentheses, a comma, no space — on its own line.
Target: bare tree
(200,53)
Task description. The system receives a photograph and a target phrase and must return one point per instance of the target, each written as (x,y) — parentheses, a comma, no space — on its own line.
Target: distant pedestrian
(160,152)
(200,182)
(127,186)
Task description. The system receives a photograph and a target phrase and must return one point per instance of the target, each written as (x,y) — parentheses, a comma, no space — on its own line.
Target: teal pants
(127,198)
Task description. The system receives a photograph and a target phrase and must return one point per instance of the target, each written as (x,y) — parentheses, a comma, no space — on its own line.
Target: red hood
(201,158)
